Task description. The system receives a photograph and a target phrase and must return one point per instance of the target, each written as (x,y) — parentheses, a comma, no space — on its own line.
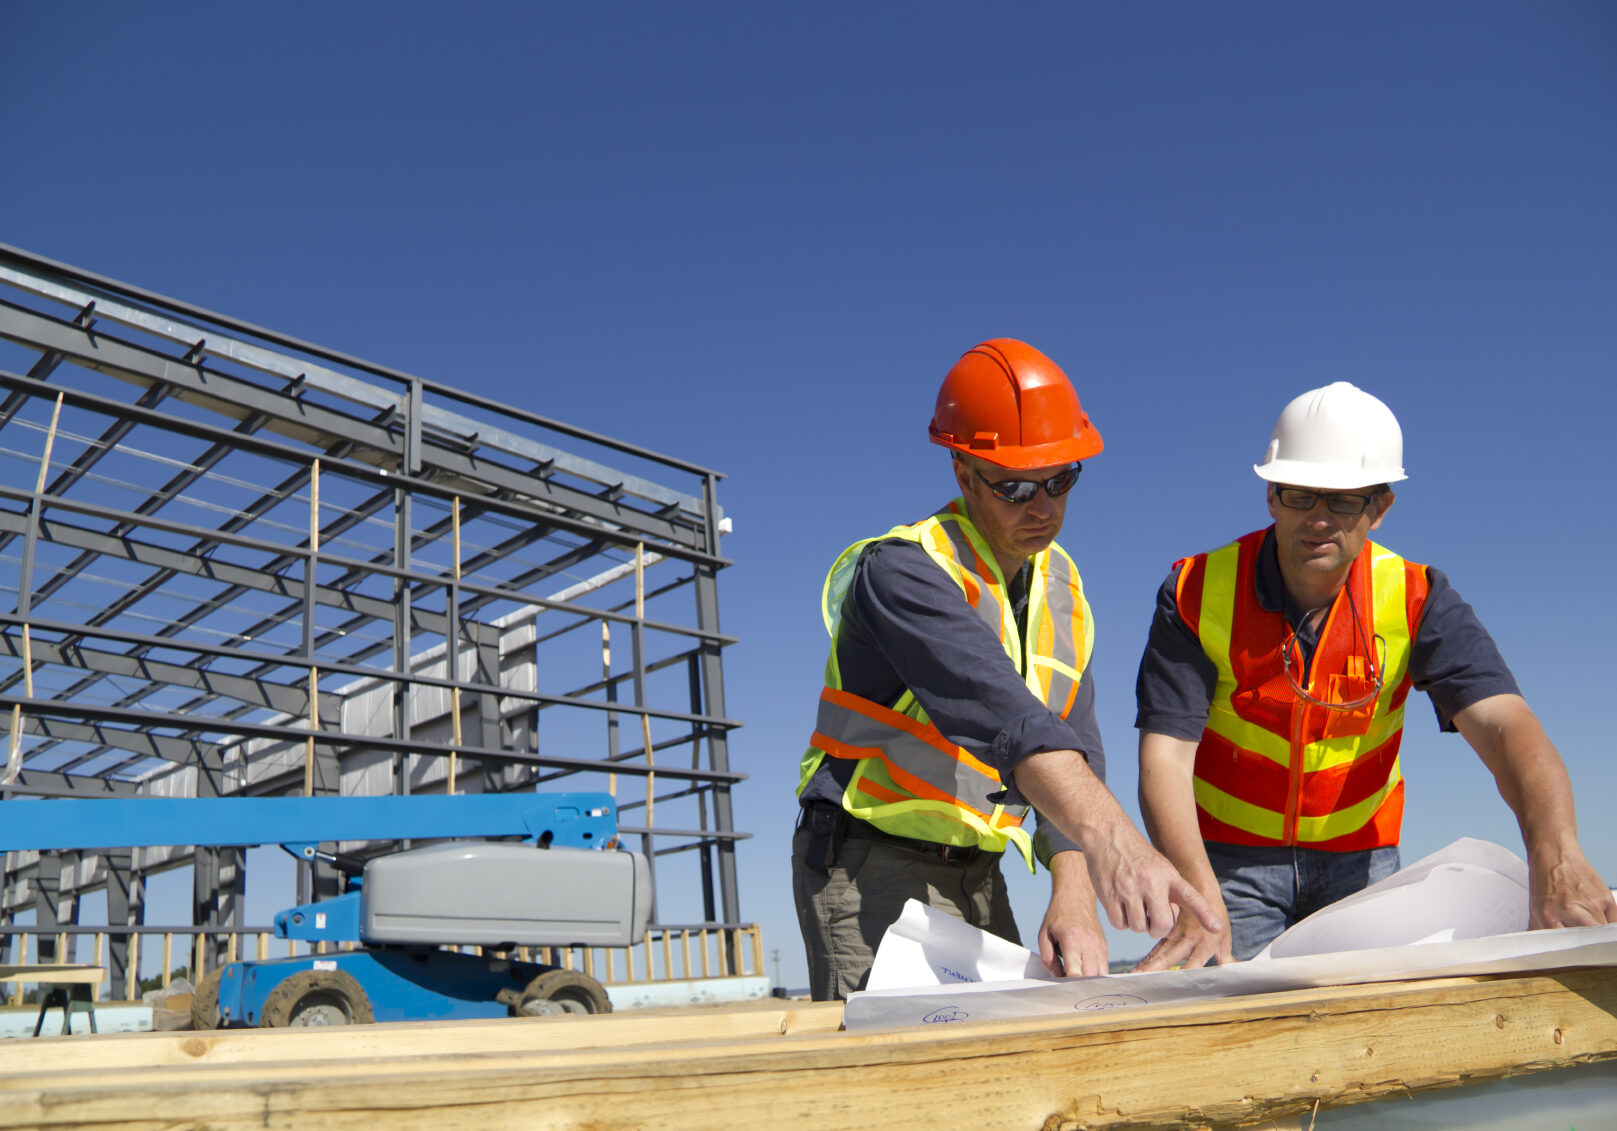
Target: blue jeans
(1267,890)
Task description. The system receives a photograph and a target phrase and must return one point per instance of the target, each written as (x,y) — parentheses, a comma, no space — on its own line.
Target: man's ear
(962,473)
(1384,502)
(1269,497)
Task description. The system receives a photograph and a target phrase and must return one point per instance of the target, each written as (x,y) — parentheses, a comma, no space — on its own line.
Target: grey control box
(487,893)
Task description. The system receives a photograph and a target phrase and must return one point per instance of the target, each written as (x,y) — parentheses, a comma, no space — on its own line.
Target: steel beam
(309,423)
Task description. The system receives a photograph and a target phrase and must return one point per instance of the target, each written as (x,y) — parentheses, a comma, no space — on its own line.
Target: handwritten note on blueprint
(1461,910)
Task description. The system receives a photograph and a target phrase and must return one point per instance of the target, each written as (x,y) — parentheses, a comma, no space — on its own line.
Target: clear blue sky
(756,235)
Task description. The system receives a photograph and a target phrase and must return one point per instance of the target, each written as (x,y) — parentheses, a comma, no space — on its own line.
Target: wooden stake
(606,674)
(14,754)
(50,442)
(645,719)
(14,750)
(314,673)
(314,725)
(454,651)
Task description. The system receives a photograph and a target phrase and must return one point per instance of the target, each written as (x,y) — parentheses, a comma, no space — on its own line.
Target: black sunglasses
(1022,490)
(1298,499)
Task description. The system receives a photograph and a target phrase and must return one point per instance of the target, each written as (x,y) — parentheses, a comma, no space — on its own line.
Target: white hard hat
(1334,439)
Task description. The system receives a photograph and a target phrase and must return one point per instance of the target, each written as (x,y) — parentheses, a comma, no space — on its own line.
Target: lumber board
(419,1038)
(427,1038)
(1224,1062)
(64,973)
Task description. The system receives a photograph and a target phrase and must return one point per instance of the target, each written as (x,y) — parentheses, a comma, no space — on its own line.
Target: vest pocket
(1348,689)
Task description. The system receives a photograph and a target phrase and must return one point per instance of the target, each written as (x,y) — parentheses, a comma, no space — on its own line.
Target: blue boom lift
(565,882)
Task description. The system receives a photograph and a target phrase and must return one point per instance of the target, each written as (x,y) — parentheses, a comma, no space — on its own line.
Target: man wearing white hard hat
(1271,700)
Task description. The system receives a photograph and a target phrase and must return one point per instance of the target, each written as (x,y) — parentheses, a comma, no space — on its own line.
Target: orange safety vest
(909,779)
(1272,768)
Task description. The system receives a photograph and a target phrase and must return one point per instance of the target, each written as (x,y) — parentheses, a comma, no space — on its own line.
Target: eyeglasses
(1021,491)
(1298,499)
(1369,643)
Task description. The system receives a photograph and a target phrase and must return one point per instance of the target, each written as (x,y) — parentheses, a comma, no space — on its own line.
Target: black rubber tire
(563,991)
(315,998)
(205,1001)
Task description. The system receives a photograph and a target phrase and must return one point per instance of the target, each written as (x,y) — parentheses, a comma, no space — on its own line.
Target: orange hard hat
(1009,404)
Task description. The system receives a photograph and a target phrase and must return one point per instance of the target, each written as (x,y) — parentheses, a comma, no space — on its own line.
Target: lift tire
(557,992)
(312,998)
(205,1001)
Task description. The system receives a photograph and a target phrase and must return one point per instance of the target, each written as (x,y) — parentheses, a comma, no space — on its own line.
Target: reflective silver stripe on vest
(1058,611)
(988,605)
(903,751)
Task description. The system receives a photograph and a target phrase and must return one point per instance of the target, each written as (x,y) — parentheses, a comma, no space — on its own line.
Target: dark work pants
(843,914)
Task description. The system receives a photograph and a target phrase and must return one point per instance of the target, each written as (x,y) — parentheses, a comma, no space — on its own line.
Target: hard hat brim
(1323,476)
(1017,457)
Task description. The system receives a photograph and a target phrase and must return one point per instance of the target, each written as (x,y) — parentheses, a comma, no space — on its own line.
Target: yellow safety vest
(909,779)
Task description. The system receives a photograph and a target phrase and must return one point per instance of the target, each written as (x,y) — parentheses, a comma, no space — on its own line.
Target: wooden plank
(759,1020)
(1224,1062)
(49,973)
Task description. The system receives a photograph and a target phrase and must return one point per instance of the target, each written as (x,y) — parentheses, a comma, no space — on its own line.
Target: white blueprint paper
(1471,889)
(926,947)
(1461,910)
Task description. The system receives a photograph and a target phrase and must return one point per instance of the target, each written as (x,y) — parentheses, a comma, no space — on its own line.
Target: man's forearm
(1564,890)
(1527,769)
(1066,792)
(1168,806)
(1134,883)
(1069,876)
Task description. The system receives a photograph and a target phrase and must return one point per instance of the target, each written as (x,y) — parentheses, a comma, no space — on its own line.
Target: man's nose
(1321,512)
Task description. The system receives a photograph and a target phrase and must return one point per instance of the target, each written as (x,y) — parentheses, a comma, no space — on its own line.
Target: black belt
(855,829)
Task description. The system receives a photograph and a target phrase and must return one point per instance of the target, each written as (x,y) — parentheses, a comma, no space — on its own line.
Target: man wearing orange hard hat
(1271,700)
(957,692)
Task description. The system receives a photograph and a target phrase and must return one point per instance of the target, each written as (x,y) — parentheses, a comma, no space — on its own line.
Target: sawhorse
(71,986)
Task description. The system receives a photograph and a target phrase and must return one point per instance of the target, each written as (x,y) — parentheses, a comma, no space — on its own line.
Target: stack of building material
(1223,1062)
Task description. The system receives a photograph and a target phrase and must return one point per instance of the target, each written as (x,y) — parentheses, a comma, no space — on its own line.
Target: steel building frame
(240,563)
